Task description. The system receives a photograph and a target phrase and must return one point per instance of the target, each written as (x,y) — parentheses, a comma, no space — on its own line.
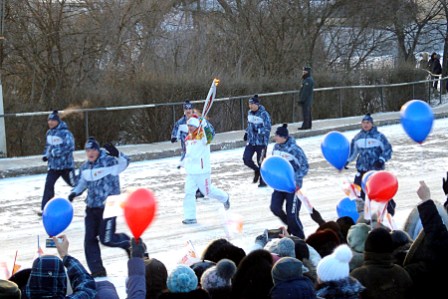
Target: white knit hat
(336,265)
(193,121)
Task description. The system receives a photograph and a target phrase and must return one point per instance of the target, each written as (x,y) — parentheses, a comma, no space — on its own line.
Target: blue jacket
(258,126)
(49,280)
(369,147)
(301,288)
(180,132)
(295,155)
(101,178)
(59,147)
(136,282)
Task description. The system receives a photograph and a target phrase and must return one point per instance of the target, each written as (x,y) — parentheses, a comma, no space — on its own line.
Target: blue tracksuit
(295,155)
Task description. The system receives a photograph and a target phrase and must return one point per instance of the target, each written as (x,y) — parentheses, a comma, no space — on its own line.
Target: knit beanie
(254,100)
(188,105)
(182,280)
(193,121)
(282,131)
(336,265)
(368,117)
(218,276)
(287,268)
(379,240)
(282,247)
(357,235)
(91,143)
(200,267)
(9,289)
(54,116)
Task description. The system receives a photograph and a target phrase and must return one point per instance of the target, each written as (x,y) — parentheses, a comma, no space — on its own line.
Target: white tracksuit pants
(203,182)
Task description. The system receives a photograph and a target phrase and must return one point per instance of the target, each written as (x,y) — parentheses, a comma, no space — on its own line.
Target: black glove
(174,139)
(317,217)
(44,158)
(71,196)
(111,150)
(346,165)
(245,137)
(379,164)
(137,249)
(445,184)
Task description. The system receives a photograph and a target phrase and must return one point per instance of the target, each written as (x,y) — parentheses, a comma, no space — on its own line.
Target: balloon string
(423,166)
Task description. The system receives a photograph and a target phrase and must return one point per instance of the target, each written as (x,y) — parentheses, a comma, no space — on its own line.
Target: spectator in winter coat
(48,278)
(427,257)
(198,169)
(382,278)
(356,238)
(100,175)
(435,68)
(372,150)
(216,280)
(257,137)
(333,276)
(156,276)
(58,152)
(286,147)
(9,289)
(289,282)
(306,98)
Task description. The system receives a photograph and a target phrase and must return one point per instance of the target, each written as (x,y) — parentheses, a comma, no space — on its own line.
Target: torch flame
(216,81)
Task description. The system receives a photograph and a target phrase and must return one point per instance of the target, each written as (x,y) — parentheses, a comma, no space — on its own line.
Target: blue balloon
(365,178)
(347,207)
(336,149)
(278,173)
(416,117)
(57,216)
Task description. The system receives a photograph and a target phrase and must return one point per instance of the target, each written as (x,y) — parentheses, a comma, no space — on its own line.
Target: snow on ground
(166,237)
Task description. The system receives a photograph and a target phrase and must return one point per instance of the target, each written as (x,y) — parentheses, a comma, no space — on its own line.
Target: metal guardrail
(242,98)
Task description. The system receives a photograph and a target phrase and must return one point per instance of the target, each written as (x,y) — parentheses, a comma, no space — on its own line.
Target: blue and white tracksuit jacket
(258,127)
(295,155)
(101,178)
(369,147)
(59,147)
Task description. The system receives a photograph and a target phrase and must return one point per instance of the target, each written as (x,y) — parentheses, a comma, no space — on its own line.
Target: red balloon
(381,186)
(139,211)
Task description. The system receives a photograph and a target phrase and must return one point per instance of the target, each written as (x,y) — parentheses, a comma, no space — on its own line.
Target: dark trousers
(68,175)
(391,204)
(96,226)
(249,152)
(307,116)
(291,217)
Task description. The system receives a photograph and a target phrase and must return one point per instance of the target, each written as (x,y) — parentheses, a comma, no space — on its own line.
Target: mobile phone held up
(49,243)
(274,233)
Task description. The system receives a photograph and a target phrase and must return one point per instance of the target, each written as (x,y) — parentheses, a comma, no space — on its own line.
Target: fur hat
(368,117)
(91,143)
(282,131)
(218,276)
(188,105)
(156,275)
(400,238)
(254,100)
(357,235)
(193,121)
(300,248)
(324,241)
(182,280)
(9,289)
(379,240)
(336,265)
(282,247)
(345,222)
(287,268)
(47,278)
(54,116)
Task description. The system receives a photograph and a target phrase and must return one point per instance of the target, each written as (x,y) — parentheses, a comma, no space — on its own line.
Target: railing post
(174,114)
(242,113)
(293,107)
(382,99)
(86,123)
